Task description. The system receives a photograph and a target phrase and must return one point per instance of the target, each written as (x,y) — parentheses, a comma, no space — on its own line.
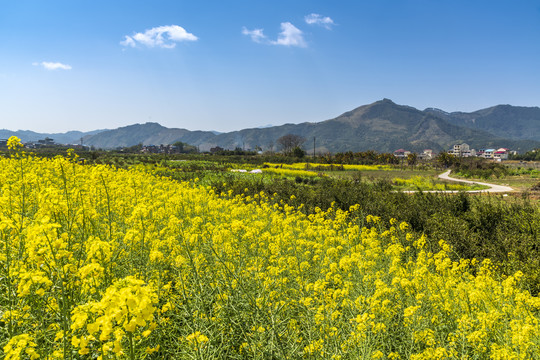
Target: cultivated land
(164,259)
(492,188)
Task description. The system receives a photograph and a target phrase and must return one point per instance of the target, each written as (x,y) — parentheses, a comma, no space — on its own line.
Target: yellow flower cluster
(289,172)
(324,167)
(102,263)
(126,306)
(428,184)
(14,143)
(20,347)
(196,339)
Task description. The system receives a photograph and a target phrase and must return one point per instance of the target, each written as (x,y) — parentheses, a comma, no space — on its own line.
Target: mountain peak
(146,125)
(436,111)
(389,103)
(383,102)
(152,124)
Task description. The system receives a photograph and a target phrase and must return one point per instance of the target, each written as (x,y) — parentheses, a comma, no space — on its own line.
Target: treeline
(533,155)
(369,157)
(479,168)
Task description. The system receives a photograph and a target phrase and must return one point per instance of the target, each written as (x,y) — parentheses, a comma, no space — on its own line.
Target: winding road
(492,187)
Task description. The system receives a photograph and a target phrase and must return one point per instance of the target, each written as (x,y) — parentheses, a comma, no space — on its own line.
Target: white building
(489,153)
(462,150)
(426,154)
(501,154)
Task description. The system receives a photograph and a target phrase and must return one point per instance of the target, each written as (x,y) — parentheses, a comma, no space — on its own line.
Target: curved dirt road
(492,187)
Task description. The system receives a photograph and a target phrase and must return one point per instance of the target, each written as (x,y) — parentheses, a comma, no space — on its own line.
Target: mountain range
(381,126)
(70,137)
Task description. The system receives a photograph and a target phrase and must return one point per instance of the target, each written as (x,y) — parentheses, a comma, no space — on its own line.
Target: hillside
(382,126)
(70,137)
(147,134)
(514,122)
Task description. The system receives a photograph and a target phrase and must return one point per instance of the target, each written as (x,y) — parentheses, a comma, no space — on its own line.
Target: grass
(519,182)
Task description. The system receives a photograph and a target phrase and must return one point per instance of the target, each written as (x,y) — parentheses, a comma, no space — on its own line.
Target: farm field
(257,180)
(519,175)
(518,182)
(399,178)
(111,263)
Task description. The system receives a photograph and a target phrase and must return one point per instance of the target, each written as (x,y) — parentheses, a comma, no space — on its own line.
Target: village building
(427,154)
(401,153)
(462,150)
(161,149)
(501,154)
(488,153)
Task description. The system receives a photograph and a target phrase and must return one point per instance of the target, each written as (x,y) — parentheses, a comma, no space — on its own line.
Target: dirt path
(492,187)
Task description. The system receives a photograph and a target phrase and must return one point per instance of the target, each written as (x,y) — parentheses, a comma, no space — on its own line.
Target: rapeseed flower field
(428,184)
(291,172)
(105,263)
(329,167)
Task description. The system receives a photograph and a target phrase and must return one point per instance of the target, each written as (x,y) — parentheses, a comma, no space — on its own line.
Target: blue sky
(228,65)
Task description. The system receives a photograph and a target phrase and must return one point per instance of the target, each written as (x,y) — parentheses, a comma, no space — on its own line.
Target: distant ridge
(70,137)
(515,122)
(150,133)
(382,126)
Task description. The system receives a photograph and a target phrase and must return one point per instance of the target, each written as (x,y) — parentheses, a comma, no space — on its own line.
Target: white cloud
(290,35)
(128,42)
(53,65)
(256,35)
(316,19)
(161,36)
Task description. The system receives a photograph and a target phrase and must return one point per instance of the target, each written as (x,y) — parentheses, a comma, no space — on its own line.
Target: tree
(216,149)
(445,159)
(184,148)
(289,142)
(298,152)
(412,159)
(133,149)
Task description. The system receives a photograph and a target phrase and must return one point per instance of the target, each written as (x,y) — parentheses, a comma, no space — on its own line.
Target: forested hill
(382,126)
(70,137)
(516,122)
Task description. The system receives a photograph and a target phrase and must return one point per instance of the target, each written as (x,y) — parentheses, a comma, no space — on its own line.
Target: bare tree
(289,142)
